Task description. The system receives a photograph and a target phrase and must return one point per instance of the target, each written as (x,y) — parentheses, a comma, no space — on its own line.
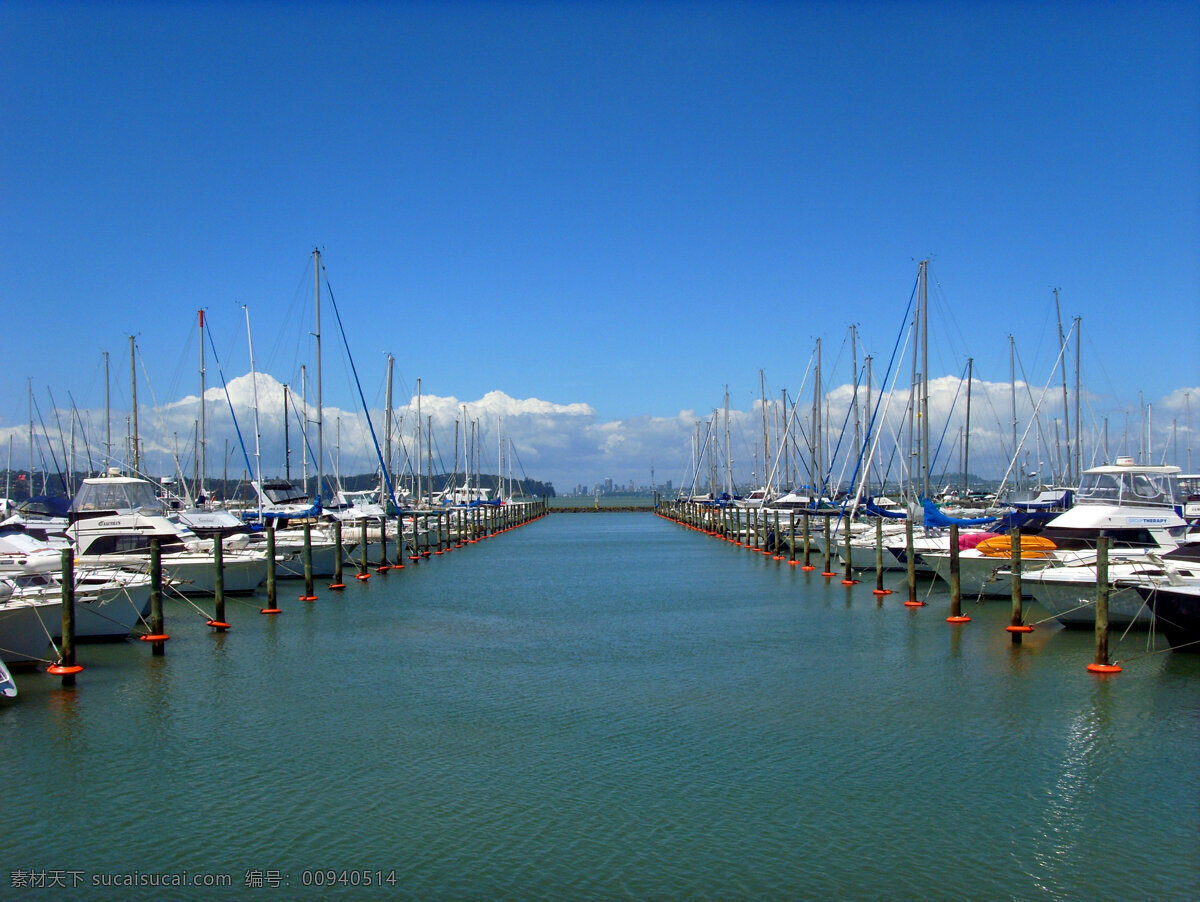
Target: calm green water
(609,706)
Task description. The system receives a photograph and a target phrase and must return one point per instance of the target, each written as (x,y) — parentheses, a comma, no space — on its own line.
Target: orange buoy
(270,611)
(382,568)
(794,563)
(439,552)
(308,598)
(154,637)
(828,574)
(881,591)
(961,618)
(1104,668)
(1021,628)
(809,567)
(362,576)
(914,604)
(64,669)
(337,586)
(849,582)
(217,624)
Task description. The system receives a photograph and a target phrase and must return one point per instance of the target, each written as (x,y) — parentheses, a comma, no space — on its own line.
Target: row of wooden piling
(726,522)
(470,526)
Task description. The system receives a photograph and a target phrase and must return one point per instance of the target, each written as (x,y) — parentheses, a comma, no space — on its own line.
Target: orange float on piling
(914,604)
(217,624)
(881,591)
(337,587)
(1019,628)
(960,618)
(154,637)
(808,567)
(363,577)
(1104,668)
(68,669)
(308,598)
(849,582)
(270,611)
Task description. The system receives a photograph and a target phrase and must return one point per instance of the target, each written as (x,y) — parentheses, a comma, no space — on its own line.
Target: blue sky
(626,205)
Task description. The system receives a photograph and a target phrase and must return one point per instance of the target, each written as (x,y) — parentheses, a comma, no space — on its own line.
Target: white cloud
(565,443)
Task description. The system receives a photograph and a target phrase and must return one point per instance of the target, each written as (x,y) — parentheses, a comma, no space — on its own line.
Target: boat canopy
(45,506)
(1142,486)
(115,493)
(280,491)
(935,517)
(875,510)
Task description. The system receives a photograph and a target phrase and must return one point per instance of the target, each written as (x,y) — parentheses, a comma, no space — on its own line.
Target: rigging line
(946,426)
(162,425)
(337,315)
(50,447)
(228,400)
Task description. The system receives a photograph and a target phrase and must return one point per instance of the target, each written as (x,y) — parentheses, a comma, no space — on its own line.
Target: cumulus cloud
(567,444)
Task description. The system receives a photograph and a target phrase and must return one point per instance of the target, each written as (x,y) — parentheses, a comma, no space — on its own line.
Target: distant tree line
(20,487)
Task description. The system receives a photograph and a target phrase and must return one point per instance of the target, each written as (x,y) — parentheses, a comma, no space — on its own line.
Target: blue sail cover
(935,517)
(875,511)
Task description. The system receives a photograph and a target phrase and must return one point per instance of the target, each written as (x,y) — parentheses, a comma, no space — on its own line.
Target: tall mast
(783,442)
(815,424)
(107,426)
(762,393)
(1062,346)
(1012,380)
(29,388)
(254,385)
(967,432)
(387,426)
(728,458)
(304,426)
(854,369)
(203,425)
(925,378)
(1078,420)
(417,469)
(867,361)
(133,378)
(287,438)
(320,401)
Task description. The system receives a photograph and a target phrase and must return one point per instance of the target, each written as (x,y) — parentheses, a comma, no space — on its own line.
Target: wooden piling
(808,564)
(1101,664)
(157,644)
(879,589)
(218,621)
(272,588)
(848,577)
(910,562)
(66,667)
(310,592)
(383,557)
(956,614)
(825,557)
(337,583)
(792,537)
(1016,626)
(364,564)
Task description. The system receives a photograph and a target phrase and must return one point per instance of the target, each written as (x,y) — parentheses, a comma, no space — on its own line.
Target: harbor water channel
(600,706)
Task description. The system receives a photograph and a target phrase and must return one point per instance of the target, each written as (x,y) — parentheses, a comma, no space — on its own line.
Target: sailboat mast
(854,369)
(107,426)
(967,432)
(133,379)
(254,385)
(320,401)
(387,424)
(1012,379)
(418,467)
(304,426)
(1062,342)
(728,458)
(1078,420)
(867,361)
(762,394)
(925,378)
(287,438)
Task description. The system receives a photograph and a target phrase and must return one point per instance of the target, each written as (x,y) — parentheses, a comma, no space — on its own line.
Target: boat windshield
(283,493)
(116,495)
(1136,488)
